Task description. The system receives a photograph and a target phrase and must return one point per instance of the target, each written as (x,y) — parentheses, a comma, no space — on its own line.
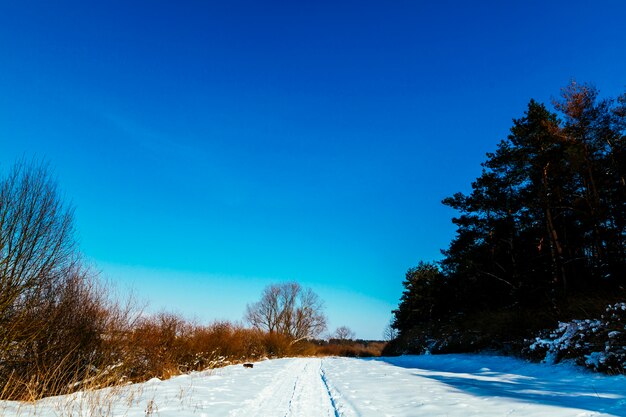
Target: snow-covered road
(298,389)
(446,385)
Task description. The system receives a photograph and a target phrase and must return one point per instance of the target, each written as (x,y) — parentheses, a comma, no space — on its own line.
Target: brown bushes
(60,331)
(167,345)
(354,349)
(80,340)
(58,342)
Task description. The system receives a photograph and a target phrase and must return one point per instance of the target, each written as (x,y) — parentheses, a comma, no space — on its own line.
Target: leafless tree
(58,325)
(344,333)
(37,246)
(389,333)
(289,309)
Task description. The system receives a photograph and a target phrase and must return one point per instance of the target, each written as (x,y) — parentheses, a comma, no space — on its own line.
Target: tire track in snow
(272,397)
(330,395)
(296,391)
(341,406)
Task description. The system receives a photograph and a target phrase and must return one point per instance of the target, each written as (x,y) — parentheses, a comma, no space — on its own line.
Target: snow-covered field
(443,385)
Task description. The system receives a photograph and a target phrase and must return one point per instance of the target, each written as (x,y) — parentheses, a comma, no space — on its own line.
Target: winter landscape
(446,385)
(335,208)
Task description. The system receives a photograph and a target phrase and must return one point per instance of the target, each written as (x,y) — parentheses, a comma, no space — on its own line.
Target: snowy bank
(431,385)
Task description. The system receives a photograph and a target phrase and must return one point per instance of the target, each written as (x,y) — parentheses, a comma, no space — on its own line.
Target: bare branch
(288,309)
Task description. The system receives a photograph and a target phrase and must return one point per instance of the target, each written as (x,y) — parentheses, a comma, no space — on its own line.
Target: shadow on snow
(506,377)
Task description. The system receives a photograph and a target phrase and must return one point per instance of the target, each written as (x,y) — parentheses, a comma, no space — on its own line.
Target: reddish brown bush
(355,349)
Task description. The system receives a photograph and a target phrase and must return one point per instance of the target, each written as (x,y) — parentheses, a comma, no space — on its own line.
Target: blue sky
(212,148)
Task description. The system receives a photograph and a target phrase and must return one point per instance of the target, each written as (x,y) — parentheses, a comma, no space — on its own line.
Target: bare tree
(289,309)
(37,246)
(389,332)
(344,333)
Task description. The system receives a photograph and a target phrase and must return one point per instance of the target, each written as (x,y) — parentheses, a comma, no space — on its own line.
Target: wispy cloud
(148,138)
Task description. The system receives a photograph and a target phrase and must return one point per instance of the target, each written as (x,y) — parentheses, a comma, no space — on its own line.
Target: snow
(430,385)
(597,344)
(567,336)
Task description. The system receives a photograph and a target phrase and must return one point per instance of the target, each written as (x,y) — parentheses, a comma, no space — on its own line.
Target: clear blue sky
(211,148)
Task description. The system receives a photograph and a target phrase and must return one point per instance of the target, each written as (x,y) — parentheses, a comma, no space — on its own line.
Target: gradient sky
(213,147)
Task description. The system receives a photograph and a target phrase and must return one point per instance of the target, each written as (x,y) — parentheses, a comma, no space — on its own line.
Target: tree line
(541,237)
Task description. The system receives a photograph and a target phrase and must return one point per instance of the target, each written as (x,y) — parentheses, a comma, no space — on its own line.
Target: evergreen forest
(540,238)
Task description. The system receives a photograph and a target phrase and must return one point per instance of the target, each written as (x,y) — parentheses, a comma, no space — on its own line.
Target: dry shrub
(354,349)
(303,348)
(225,341)
(62,343)
(167,345)
(152,346)
(277,345)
